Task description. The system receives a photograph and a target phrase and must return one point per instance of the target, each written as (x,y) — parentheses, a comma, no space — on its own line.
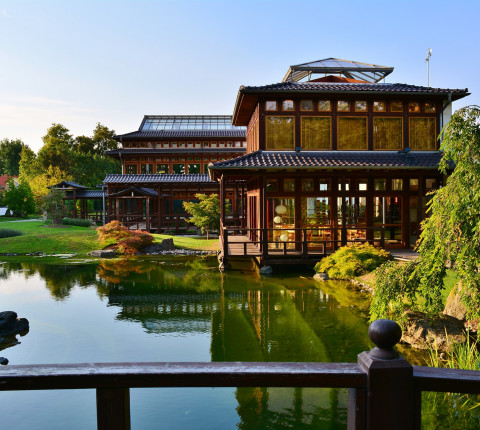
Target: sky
(78,63)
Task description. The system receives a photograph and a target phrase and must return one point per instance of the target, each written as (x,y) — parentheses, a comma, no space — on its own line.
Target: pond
(179,309)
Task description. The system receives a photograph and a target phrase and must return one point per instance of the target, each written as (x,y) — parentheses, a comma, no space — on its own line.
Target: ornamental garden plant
(127,241)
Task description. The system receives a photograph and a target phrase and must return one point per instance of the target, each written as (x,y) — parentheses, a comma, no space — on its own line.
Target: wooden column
(344,212)
(263,216)
(74,203)
(222,200)
(113,409)
(147,214)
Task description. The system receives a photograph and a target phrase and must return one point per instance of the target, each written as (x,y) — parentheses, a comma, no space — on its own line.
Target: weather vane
(429,54)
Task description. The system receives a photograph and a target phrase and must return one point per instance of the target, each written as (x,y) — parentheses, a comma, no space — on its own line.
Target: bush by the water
(350,261)
(77,222)
(8,232)
(128,241)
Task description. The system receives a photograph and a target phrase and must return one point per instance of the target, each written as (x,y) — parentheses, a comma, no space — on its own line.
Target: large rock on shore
(440,332)
(10,326)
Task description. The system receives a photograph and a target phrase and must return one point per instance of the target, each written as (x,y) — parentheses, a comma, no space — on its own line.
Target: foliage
(129,241)
(54,204)
(206,213)
(8,232)
(19,199)
(350,261)
(28,167)
(52,176)
(77,222)
(10,151)
(451,234)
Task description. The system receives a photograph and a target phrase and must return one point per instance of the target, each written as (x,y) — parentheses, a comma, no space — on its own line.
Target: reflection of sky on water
(185,311)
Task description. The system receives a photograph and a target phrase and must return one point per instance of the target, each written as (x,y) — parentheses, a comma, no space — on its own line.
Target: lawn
(52,240)
(12,218)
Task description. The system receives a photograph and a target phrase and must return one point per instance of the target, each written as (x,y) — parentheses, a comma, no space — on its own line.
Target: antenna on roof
(429,54)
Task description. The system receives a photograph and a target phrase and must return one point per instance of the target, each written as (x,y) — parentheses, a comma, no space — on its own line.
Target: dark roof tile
(157,178)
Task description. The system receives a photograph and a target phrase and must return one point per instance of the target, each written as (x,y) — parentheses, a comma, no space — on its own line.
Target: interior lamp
(277,219)
(284,237)
(280,209)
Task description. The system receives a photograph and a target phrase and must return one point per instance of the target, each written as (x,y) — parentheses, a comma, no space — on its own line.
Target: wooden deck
(242,246)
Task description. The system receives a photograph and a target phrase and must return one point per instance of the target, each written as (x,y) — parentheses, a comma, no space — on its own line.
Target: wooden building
(334,156)
(165,162)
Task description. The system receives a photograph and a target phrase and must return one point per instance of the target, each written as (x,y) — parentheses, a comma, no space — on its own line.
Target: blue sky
(82,62)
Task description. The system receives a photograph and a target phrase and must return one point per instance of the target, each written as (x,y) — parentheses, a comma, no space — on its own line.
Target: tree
(19,199)
(103,139)
(451,233)
(206,213)
(54,204)
(40,183)
(57,149)
(28,166)
(10,151)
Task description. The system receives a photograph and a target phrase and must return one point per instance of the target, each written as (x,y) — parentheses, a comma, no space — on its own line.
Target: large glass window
(316,220)
(131,169)
(387,213)
(280,132)
(352,133)
(422,134)
(281,222)
(316,133)
(179,169)
(162,168)
(147,169)
(387,133)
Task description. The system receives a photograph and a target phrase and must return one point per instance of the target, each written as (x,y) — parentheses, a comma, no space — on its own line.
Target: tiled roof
(85,194)
(142,191)
(68,184)
(174,151)
(334,87)
(157,178)
(152,134)
(331,159)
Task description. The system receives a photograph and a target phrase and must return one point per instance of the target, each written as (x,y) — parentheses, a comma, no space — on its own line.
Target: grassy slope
(38,238)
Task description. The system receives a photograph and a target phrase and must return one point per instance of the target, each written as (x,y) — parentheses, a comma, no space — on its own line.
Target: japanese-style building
(165,163)
(334,156)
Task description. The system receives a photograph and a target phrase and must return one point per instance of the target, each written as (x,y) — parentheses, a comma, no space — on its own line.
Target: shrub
(8,232)
(350,261)
(129,241)
(77,222)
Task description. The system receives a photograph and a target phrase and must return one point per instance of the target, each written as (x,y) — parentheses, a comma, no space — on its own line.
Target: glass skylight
(189,122)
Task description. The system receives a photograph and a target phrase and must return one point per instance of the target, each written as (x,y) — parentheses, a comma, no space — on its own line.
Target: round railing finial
(385,334)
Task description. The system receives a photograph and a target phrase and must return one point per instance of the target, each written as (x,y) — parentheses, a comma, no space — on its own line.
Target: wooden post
(113,409)
(74,203)
(222,200)
(305,243)
(390,398)
(147,214)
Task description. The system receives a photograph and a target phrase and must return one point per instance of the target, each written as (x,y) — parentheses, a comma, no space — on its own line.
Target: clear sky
(82,62)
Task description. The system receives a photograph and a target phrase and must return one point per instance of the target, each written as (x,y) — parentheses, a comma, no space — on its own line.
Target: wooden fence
(384,389)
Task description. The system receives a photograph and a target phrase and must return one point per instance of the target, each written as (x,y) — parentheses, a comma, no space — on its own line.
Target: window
(289,185)
(413,184)
(194,168)
(430,184)
(362,185)
(179,169)
(388,133)
(272,185)
(307,184)
(306,105)
(146,169)
(422,134)
(131,169)
(414,107)
(280,132)
(343,106)
(271,105)
(380,185)
(316,133)
(360,106)
(429,108)
(352,133)
(397,184)
(162,168)
(346,182)
(379,107)
(324,106)
(396,106)
(287,105)
(324,185)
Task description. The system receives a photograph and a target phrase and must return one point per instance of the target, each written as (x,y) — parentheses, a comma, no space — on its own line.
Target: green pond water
(179,309)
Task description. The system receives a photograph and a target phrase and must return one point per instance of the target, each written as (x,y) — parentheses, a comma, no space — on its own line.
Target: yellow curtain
(280,131)
(315,133)
(352,133)
(387,133)
(423,136)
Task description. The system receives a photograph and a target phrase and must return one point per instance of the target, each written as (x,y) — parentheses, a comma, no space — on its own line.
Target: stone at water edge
(454,306)
(103,253)
(10,324)
(3,361)
(265,270)
(321,276)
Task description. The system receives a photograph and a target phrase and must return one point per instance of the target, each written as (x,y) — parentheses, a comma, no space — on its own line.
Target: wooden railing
(300,242)
(384,389)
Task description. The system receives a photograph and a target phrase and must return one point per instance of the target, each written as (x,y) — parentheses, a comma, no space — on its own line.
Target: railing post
(390,397)
(225,246)
(305,243)
(113,409)
(264,232)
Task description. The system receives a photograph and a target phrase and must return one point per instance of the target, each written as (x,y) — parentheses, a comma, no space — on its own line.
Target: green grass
(193,243)
(81,240)
(12,218)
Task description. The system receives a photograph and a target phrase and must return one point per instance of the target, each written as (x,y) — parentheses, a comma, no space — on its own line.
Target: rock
(167,245)
(104,253)
(3,361)
(265,270)
(321,277)
(10,324)
(443,331)
(454,306)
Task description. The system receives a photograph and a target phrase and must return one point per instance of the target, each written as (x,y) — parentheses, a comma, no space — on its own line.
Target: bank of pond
(177,308)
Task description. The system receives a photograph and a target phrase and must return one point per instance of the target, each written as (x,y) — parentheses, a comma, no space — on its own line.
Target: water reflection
(247,318)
